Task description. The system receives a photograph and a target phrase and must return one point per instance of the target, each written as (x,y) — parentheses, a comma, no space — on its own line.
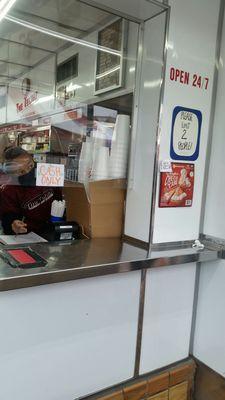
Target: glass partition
(67,80)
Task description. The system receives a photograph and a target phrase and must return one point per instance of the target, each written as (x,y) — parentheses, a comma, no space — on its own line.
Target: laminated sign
(185,134)
(176,187)
(50,174)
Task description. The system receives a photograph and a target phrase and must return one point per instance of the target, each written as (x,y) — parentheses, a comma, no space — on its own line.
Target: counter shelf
(92,258)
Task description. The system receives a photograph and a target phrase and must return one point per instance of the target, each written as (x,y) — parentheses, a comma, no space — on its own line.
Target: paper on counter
(28,238)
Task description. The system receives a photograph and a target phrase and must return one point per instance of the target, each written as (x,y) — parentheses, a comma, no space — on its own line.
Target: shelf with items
(36,140)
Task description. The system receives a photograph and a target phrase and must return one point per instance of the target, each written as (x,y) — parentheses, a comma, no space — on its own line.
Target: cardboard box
(99,209)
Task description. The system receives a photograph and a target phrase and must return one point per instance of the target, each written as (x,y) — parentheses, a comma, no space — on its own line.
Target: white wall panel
(209,344)
(191,48)
(215,205)
(66,340)
(167,316)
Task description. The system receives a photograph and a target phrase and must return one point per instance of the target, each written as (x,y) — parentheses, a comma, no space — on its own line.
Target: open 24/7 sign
(185,135)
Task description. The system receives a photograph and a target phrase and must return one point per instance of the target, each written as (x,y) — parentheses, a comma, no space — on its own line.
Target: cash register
(62,231)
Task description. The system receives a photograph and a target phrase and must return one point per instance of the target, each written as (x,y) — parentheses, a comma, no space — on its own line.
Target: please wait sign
(50,174)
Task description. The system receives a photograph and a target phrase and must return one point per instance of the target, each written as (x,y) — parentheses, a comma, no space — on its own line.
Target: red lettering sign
(185,78)
(28,100)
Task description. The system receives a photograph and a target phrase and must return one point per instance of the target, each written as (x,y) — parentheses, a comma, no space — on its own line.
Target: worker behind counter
(25,207)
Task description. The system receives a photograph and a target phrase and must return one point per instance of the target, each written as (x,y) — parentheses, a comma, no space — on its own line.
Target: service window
(66,99)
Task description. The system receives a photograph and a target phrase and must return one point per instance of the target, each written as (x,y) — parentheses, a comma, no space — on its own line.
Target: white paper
(50,174)
(21,239)
(185,135)
(165,166)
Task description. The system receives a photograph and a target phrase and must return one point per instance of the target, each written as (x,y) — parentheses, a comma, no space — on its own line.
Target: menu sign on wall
(185,135)
(109,74)
(177,187)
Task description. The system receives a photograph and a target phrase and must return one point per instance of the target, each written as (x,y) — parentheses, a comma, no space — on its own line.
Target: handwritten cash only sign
(50,174)
(177,187)
(185,135)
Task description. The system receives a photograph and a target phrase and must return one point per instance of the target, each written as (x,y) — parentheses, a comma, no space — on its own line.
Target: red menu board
(176,187)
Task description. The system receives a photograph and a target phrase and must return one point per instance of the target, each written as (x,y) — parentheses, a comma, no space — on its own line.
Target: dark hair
(14,152)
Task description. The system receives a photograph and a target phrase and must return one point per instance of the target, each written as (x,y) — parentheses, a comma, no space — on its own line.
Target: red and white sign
(186,78)
(177,187)
(26,102)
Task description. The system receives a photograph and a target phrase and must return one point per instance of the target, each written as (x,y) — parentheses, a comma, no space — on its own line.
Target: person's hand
(19,227)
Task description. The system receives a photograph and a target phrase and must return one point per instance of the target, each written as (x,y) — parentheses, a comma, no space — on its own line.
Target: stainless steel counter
(91,258)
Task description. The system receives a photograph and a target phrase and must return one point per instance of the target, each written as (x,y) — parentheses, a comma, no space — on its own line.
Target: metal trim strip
(140,323)
(158,133)
(135,122)
(214,243)
(194,309)
(163,246)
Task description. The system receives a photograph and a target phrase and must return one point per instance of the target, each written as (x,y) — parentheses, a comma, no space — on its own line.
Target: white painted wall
(191,47)
(62,341)
(167,316)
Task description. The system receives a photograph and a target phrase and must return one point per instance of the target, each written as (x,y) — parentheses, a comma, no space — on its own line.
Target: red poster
(176,187)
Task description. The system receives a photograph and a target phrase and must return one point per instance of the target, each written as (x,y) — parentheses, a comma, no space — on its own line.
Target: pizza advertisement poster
(177,187)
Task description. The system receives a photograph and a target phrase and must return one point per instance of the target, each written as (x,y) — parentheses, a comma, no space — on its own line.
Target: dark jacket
(32,204)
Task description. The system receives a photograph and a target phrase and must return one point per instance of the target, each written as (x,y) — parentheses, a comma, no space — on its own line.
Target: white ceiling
(22,48)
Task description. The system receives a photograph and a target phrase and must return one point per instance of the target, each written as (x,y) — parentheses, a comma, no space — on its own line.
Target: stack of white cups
(85,161)
(95,161)
(120,147)
(100,167)
(57,210)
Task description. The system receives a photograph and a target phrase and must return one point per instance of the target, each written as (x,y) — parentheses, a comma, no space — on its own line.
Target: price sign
(185,135)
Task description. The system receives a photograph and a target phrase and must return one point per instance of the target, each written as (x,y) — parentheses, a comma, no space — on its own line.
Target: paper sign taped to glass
(50,174)
(177,187)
